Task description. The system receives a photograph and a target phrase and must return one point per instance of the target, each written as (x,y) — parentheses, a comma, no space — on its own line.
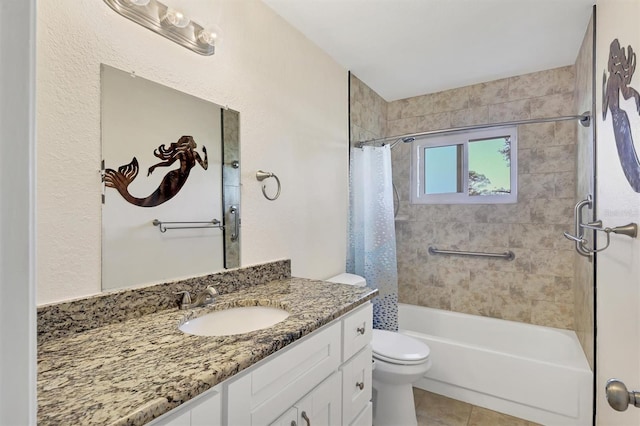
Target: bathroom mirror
(170,183)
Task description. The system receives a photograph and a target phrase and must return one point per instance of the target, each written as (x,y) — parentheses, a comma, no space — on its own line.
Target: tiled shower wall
(584,280)
(538,286)
(368,112)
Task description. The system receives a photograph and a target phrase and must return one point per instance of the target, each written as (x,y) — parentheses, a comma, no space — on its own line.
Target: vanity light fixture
(170,23)
(139,2)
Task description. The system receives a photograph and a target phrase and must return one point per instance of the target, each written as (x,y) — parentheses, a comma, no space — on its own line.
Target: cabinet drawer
(356,385)
(356,331)
(365,418)
(262,395)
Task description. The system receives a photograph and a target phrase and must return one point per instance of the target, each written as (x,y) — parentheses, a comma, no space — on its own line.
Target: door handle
(582,247)
(306,418)
(618,397)
(236,222)
(578,236)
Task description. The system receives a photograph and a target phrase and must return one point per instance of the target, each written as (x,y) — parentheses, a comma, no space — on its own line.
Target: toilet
(400,361)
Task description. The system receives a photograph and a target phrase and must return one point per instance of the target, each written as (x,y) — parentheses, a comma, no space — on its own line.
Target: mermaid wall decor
(183,151)
(622,64)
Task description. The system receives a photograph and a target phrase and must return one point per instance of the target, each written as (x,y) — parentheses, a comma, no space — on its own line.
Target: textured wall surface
(537,287)
(293,119)
(368,114)
(585,173)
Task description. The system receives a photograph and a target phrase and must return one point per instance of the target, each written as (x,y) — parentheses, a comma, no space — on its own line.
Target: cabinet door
(323,405)
(272,388)
(287,419)
(208,412)
(179,419)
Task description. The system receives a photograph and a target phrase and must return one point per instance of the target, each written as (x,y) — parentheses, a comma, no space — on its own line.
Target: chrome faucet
(207,297)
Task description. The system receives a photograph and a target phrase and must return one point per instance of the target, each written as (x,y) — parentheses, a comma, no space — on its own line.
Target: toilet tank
(347,278)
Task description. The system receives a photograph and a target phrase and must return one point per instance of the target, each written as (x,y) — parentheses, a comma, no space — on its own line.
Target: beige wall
(585,174)
(293,121)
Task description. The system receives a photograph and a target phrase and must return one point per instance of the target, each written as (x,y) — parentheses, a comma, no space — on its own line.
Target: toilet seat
(396,348)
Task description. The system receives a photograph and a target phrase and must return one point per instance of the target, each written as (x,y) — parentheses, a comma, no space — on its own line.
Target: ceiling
(404,48)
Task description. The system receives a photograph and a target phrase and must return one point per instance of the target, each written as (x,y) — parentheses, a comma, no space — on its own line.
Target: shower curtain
(372,238)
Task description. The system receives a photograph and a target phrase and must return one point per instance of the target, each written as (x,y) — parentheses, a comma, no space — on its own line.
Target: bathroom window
(477,167)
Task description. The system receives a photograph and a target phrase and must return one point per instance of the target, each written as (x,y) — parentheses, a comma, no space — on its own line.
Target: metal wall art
(183,151)
(622,64)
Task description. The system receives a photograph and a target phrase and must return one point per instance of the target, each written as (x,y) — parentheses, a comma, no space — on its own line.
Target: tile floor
(437,410)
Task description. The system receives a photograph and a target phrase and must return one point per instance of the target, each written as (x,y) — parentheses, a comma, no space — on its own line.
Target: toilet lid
(398,348)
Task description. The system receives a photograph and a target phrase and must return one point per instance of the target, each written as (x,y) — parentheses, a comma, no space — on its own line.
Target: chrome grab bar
(509,255)
(578,238)
(213,223)
(236,223)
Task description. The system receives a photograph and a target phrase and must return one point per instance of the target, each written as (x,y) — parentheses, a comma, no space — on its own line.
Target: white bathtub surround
(371,252)
(527,371)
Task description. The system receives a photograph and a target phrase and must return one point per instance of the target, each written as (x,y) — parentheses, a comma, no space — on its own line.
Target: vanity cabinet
(326,377)
(204,410)
(259,397)
(323,379)
(357,331)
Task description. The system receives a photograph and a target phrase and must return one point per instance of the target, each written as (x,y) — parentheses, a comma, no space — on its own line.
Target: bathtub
(532,372)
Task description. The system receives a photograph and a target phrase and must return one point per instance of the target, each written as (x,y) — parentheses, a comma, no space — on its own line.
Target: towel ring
(260,175)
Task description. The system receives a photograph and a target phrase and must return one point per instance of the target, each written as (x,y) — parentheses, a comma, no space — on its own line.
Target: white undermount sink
(234,321)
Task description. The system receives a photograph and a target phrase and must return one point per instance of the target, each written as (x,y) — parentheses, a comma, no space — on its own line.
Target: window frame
(462,138)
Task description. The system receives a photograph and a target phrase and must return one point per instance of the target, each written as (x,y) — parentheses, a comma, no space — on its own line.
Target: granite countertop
(130,372)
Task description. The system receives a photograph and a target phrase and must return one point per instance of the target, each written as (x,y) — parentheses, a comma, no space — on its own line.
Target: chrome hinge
(102,174)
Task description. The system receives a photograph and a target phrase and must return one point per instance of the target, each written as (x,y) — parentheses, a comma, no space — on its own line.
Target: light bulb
(176,18)
(207,37)
(139,2)
(211,36)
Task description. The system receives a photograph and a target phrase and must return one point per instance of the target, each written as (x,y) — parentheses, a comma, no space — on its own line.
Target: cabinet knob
(293,423)
(360,330)
(360,385)
(306,418)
